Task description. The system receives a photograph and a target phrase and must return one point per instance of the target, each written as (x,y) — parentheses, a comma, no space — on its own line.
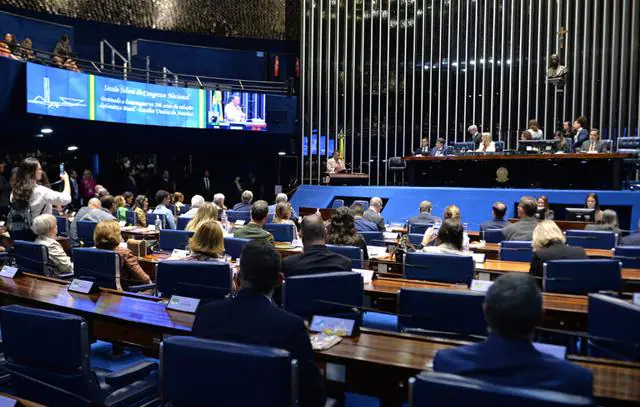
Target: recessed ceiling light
(282,153)
(46,130)
(72,148)
(39,135)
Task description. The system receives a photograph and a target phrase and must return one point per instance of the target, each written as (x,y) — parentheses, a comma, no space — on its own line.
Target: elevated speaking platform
(561,171)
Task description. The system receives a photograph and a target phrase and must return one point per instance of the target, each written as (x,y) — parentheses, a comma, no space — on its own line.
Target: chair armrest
(142,287)
(132,374)
(65,276)
(331,403)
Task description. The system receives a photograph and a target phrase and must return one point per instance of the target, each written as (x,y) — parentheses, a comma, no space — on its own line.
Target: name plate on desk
(391,235)
(184,304)
(81,286)
(480,286)
(10,272)
(636,298)
(239,222)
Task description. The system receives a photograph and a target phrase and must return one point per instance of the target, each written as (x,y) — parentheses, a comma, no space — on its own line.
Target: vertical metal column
(511,63)
(335,78)
(467,67)
(447,95)
(604,73)
(574,75)
(404,79)
(565,57)
(594,52)
(624,82)
(328,87)
(386,107)
(634,80)
(311,66)
(433,18)
(439,91)
(503,67)
(397,78)
(538,59)
(546,109)
(422,47)
(475,63)
(369,160)
(319,64)
(493,63)
(362,70)
(615,72)
(413,78)
(457,94)
(379,89)
(353,83)
(303,84)
(485,63)
(585,37)
(529,63)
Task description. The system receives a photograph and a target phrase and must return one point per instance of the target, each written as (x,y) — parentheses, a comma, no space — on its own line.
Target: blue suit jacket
(581,137)
(631,240)
(251,318)
(434,151)
(364,225)
(514,363)
(494,224)
(242,207)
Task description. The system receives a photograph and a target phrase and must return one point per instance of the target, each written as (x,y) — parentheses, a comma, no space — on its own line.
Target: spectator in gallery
(166,183)
(486,145)
(62,51)
(534,129)
(26,50)
(11,42)
(87,185)
(4,49)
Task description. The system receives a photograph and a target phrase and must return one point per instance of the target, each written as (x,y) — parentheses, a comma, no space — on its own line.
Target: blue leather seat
(63,225)
(206,280)
(514,250)
(31,257)
(592,239)
(493,235)
(281,232)
(233,216)
(415,239)
(174,239)
(182,223)
(365,204)
(104,268)
(184,209)
(499,146)
(132,217)
(64,363)
(151,219)
(464,146)
(373,238)
(629,256)
(582,276)
(85,232)
(309,295)
(233,246)
(352,252)
(419,228)
(245,375)
(337,203)
(442,268)
(445,390)
(615,319)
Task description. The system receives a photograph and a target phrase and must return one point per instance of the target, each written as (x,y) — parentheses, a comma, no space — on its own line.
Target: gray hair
(609,217)
(43,224)
(472,127)
(375,201)
(247,196)
(218,198)
(94,203)
(197,201)
(281,198)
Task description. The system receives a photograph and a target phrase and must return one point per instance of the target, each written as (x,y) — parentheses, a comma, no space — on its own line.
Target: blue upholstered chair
(514,250)
(365,204)
(104,268)
(582,276)
(233,216)
(444,390)
(151,219)
(373,238)
(281,232)
(312,294)
(60,373)
(269,375)
(206,280)
(592,239)
(85,232)
(181,223)
(31,257)
(442,268)
(63,225)
(337,203)
(132,217)
(415,238)
(419,228)
(499,146)
(352,252)
(492,235)
(184,209)
(174,239)
(629,256)
(233,246)
(615,319)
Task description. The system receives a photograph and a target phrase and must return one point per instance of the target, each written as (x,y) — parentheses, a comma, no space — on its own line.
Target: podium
(347,178)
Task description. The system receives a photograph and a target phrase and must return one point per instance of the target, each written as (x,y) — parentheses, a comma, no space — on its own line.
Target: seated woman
(449,239)
(486,145)
(549,243)
(140,207)
(608,222)
(178,201)
(207,243)
(592,202)
(283,214)
(107,237)
(46,229)
(208,211)
(560,145)
(128,199)
(341,231)
(121,209)
(543,208)
(451,212)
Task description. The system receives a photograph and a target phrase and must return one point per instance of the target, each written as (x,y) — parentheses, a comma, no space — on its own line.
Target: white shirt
(491,148)
(43,199)
(446,249)
(190,213)
(233,113)
(57,256)
(536,135)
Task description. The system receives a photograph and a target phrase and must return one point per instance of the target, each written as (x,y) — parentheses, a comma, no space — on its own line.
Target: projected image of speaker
(236,110)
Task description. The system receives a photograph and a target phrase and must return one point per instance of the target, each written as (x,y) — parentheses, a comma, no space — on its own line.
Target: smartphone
(61,169)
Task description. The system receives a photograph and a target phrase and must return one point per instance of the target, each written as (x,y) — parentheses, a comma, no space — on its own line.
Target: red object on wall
(276,66)
(297,67)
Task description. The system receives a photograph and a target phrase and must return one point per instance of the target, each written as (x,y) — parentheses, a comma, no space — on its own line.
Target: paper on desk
(479,257)
(376,251)
(391,235)
(324,342)
(178,254)
(367,275)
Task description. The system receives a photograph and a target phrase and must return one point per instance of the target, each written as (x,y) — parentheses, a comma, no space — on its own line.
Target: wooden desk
(376,363)
(139,233)
(492,251)
(325,213)
(347,178)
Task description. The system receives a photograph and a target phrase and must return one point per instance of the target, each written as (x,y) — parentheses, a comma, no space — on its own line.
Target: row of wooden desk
(375,363)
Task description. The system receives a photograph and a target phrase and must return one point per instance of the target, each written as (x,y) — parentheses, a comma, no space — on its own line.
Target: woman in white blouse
(46,227)
(39,198)
(486,145)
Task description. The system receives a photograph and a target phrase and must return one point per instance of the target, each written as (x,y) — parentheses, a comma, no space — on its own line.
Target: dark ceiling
(266,19)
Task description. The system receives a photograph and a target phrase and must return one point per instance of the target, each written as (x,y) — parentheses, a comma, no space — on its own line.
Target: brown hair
(208,239)
(107,235)
(452,212)
(178,197)
(119,200)
(283,212)
(206,212)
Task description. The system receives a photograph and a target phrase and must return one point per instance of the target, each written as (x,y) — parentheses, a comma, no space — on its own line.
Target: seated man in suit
(373,213)
(513,309)
(252,318)
(523,229)
(633,239)
(594,145)
(424,147)
(245,205)
(439,150)
(316,258)
(362,224)
(254,229)
(499,209)
(424,217)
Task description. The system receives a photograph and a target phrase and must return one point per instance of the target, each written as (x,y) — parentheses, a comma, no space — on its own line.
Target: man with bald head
(93,205)
(374,214)
(424,217)
(316,258)
(499,209)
